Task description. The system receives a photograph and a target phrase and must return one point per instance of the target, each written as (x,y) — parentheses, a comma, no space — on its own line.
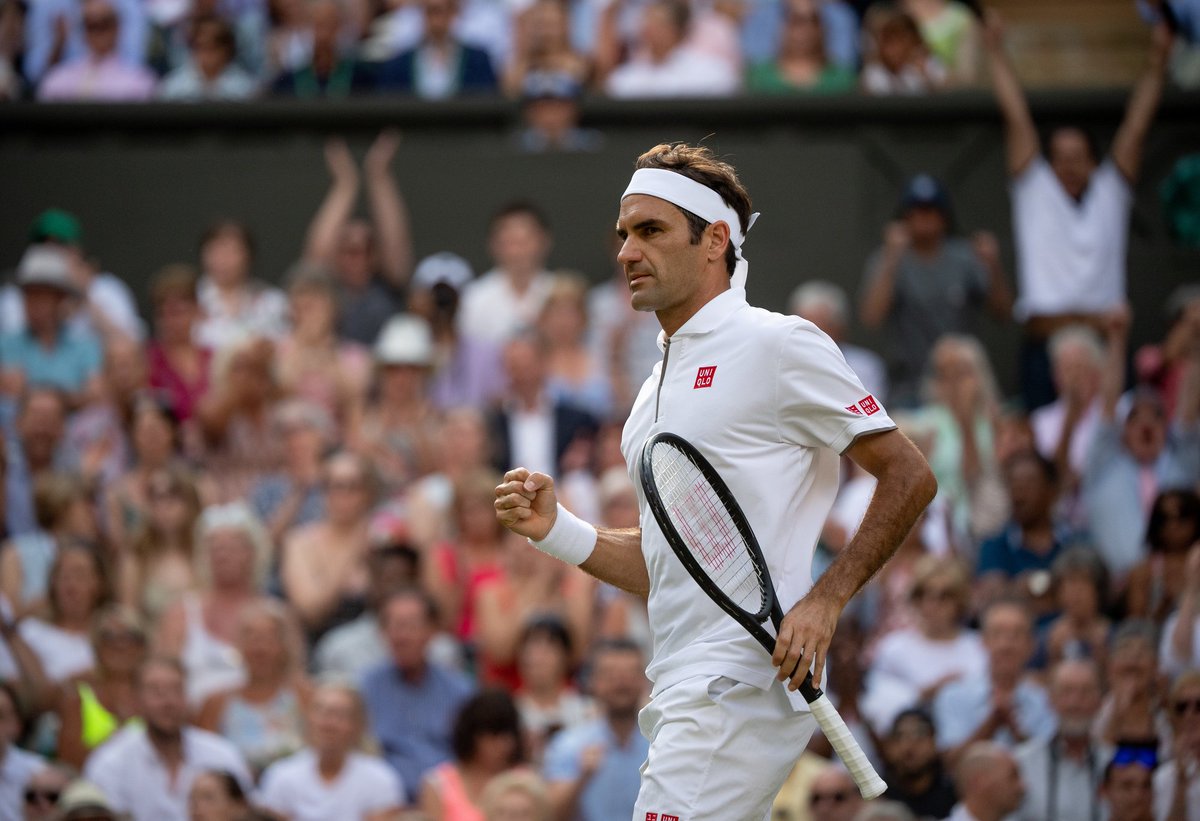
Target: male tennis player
(771,403)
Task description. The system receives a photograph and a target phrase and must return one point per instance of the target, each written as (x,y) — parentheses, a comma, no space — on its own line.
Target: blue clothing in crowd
(612,791)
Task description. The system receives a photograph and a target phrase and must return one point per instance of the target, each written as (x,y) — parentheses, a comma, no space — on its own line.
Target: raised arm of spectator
(608,41)
(1112,382)
(1020,134)
(389,212)
(1131,136)
(321,242)
(32,685)
(999,294)
(1183,636)
(880,292)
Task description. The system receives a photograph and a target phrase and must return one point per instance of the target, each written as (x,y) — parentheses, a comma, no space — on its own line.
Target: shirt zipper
(662,375)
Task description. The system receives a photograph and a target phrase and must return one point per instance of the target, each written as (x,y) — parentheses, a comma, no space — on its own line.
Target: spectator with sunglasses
(833,795)
(1177,782)
(43,791)
(100,73)
(1127,788)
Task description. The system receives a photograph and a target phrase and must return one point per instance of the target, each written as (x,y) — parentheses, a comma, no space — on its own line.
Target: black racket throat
(700,519)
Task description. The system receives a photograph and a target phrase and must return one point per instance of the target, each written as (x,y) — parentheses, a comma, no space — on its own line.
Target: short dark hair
(221,32)
(1189,508)
(916,714)
(519,208)
(413,593)
(700,164)
(489,712)
(227,225)
(175,281)
(1046,467)
(1089,139)
(550,628)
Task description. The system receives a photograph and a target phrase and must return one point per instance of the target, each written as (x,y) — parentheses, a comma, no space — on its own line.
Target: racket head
(708,531)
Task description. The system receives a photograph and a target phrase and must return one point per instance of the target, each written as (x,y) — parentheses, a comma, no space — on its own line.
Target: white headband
(700,200)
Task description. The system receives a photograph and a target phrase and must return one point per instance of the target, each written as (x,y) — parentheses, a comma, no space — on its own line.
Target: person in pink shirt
(101,74)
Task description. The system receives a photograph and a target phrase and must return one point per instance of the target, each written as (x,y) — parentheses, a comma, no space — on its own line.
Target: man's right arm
(1020,134)
(527,505)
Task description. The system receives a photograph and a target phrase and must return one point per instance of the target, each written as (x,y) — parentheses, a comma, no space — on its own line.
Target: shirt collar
(712,314)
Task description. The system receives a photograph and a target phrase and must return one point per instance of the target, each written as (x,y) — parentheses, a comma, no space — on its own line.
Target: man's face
(910,748)
(926,223)
(1130,793)
(160,691)
(41,425)
(662,266)
(1145,432)
(1002,788)
(517,241)
(1071,159)
(525,366)
(660,34)
(43,307)
(1075,696)
(408,631)
(439,17)
(833,797)
(1008,638)
(1185,717)
(355,258)
(334,722)
(100,28)
(1031,494)
(619,682)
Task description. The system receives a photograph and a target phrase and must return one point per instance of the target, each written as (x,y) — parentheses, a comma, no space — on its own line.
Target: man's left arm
(1143,103)
(905,486)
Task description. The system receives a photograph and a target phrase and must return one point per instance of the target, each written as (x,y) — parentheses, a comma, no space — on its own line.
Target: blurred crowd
(251,566)
(531,50)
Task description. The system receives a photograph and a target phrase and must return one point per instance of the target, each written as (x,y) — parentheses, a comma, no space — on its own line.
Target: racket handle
(868,781)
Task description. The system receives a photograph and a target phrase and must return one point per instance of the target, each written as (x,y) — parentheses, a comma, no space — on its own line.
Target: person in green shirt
(801,65)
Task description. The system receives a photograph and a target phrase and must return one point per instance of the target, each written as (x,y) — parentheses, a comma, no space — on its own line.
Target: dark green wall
(824,173)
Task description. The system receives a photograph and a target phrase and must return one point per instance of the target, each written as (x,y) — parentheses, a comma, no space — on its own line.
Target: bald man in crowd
(989,783)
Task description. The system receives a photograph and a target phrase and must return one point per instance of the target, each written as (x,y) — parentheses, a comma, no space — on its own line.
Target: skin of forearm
(617,559)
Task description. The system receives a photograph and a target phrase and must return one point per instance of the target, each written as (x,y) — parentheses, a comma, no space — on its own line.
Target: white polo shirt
(770,402)
(1070,255)
(294,786)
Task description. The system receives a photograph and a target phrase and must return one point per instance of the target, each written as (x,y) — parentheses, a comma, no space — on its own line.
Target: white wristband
(570,539)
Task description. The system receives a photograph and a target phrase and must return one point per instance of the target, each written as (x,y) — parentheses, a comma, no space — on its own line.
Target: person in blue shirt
(593,770)
(411,702)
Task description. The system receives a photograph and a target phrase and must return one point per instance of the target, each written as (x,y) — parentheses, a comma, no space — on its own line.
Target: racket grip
(868,781)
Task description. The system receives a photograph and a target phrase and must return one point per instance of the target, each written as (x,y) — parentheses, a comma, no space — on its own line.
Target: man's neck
(622,726)
(917,782)
(330,764)
(1074,746)
(168,746)
(415,674)
(981,813)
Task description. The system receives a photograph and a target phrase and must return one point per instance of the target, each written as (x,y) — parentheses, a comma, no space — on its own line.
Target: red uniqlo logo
(670,818)
(651,816)
(869,405)
(704,378)
(854,409)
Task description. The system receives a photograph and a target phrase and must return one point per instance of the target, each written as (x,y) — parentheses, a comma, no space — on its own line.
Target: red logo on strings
(704,378)
(869,405)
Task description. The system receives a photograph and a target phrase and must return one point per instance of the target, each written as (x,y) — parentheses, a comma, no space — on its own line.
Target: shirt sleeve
(821,401)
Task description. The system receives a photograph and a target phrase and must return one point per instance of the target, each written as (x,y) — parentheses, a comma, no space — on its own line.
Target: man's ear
(718,241)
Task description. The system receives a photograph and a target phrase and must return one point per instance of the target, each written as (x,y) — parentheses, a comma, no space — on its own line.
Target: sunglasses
(1146,756)
(839,797)
(100,24)
(35,796)
(1187,705)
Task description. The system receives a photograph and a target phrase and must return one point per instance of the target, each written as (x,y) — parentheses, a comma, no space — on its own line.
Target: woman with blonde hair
(264,718)
(516,795)
(159,565)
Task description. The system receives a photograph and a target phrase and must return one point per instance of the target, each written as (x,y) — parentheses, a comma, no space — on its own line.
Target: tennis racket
(710,535)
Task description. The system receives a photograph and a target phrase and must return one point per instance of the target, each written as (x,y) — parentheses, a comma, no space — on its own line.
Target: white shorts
(719,750)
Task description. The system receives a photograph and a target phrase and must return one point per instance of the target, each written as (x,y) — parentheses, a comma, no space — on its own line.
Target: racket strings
(708,529)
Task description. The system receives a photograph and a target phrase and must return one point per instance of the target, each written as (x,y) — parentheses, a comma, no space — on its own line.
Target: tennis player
(771,403)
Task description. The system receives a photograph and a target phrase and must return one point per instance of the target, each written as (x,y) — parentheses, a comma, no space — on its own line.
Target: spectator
(103,73)
(295,496)
(951,32)
(147,769)
(989,784)
(263,718)
(351,650)
(1128,788)
(1133,709)
(1070,214)
(925,283)
(898,61)
(1031,540)
(370,260)
(158,565)
(548,702)
(543,47)
(573,375)
(312,363)
(17,766)
(530,427)
(77,589)
(211,72)
(97,704)
(1001,705)
(156,439)
(801,62)
(323,565)
(179,367)
(233,305)
(663,64)
(233,554)
(509,297)
(329,69)
(516,795)
(64,512)
(833,795)
(1079,582)
(914,772)
(43,791)
(826,306)
(46,352)
(1166,365)
(1134,458)
(411,702)
(462,449)
(397,428)
(913,664)
(1177,782)
(441,65)
(550,113)
(592,770)
(84,801)
(330,778)
(467,369)
(1065,428)
(487,741)
(217,795)
(55,34)
(1181,636)
(33,451)
(1062,773)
